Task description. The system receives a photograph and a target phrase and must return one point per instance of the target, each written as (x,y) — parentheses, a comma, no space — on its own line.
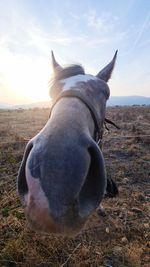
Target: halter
(95,117)
(98,132)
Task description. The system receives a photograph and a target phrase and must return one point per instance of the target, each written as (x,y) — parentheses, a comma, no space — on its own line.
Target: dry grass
(121,239)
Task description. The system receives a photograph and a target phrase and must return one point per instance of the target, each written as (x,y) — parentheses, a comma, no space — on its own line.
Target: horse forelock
(64,73)
(67,72)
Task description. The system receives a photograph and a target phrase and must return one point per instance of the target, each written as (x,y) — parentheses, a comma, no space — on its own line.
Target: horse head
(62,177)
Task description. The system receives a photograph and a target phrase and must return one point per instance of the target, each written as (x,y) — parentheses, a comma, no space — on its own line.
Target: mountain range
(128,100)
(113,101)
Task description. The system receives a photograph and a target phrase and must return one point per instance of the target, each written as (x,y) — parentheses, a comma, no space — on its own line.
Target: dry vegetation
(121,239)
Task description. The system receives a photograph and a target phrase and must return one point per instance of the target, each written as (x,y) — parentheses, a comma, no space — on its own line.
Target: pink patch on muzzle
(36,207)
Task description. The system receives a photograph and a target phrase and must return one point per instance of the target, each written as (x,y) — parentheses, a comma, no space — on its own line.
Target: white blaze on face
(72,81)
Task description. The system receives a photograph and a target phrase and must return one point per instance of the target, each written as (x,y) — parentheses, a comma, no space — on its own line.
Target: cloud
(27,35)
(24,64)
(141,30)
(95,21)
(100,22)
(24,50)
(26,40)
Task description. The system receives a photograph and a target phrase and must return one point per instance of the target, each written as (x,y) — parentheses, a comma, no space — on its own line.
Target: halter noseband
(98,132)
(77,94)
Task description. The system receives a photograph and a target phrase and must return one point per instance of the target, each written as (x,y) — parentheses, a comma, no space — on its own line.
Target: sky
(86,32)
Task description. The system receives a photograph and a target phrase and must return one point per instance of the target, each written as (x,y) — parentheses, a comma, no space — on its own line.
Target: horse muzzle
(42,219)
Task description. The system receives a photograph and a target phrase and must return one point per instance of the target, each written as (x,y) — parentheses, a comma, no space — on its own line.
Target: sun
(26,79)
(31,80)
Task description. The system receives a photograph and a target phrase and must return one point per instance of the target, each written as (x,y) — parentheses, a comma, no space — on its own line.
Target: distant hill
(5,105)
(113,101)
(128,100)
(44,104)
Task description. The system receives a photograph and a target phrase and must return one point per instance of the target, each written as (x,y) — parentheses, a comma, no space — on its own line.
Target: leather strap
(78,94)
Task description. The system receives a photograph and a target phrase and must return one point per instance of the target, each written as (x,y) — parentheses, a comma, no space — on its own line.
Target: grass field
(121,238)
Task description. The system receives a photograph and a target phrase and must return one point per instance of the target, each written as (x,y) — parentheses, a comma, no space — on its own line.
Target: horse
(62,177)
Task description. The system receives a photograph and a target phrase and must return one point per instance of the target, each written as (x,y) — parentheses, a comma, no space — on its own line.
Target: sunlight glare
(26,77)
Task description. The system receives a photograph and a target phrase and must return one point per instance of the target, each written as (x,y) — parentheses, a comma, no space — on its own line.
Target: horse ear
(55,65)
(106,72)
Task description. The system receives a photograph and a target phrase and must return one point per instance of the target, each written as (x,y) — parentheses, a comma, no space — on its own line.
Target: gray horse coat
(62,177)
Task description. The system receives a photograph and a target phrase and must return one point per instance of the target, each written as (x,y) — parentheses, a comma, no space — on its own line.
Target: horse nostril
(88,198)
(93,189)
(22,186)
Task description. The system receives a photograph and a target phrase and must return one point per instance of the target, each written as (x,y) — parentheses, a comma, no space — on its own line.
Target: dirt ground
(121,238)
